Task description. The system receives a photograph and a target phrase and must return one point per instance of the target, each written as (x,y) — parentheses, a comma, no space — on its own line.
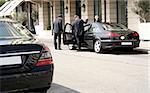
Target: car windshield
(116,27)
(10,30)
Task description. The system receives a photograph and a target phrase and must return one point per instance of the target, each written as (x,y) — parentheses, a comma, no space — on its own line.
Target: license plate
(10,60)
(126,43)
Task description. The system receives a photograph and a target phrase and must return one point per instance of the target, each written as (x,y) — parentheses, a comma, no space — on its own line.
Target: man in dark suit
(78,27)
(57,30)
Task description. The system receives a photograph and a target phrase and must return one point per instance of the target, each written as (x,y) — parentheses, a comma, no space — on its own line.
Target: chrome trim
(19,53)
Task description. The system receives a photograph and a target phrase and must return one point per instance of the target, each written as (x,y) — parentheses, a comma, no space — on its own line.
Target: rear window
(116,27)
(13,30)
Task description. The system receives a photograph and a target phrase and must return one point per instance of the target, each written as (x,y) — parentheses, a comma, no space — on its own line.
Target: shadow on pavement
(56,88)
(127,52)
(120,51)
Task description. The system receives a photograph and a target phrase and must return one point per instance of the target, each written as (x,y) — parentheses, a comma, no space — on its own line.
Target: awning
(9,6)
(38,1)
(4,5)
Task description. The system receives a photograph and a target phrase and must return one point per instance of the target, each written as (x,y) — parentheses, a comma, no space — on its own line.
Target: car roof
(105,23)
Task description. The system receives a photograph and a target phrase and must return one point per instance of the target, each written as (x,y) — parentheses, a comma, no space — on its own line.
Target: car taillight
(135,34)
(111,34)
(46,49)
(44,62)
(46,58)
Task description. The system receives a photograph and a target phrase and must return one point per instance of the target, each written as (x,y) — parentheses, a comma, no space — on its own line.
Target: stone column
(70,10)
(133,19)
(88,13)
(56,8)
(112,11)
(43,15)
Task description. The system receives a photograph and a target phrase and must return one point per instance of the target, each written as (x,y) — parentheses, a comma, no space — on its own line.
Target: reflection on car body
(25,62)
(99,36)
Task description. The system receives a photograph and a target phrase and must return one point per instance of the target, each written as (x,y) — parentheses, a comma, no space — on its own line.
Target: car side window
(92,28)
(68,28)
(104,27)
(96,28)
(87,27)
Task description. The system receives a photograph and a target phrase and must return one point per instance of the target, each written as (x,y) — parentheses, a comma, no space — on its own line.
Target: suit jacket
(78,27)
(57,26)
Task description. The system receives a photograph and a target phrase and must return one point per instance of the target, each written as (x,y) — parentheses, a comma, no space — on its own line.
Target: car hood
(17,41)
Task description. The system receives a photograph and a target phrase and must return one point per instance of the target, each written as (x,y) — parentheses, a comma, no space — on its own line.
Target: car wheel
(39,90)
(97,46)
(129,49)
(70,46)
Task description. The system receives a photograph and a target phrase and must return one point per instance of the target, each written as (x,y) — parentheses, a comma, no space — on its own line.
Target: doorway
(122,12)
(78,8)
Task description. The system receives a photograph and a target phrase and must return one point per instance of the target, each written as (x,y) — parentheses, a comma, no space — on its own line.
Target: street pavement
(109,72)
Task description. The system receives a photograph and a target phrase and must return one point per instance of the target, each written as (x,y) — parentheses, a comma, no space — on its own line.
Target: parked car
(99,36)
(25,62)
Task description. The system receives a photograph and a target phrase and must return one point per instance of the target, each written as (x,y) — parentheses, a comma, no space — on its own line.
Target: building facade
(118,11)
(46,11)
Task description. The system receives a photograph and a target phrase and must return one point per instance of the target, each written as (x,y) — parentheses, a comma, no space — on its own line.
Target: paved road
(109,72)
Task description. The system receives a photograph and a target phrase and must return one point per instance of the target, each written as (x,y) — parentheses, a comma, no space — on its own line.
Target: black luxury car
(25,62)
(99,36)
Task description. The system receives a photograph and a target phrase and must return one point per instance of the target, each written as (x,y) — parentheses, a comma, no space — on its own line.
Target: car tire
(97,46)
(71,47)
(38,90)
(129,49)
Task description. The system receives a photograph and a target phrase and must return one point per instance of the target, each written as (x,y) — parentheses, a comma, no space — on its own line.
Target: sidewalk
(145,45)
(47,34)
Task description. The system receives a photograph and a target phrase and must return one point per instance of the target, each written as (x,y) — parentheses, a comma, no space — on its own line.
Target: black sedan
(99,36)
(25,62)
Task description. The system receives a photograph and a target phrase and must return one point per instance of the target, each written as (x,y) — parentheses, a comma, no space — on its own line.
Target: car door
(89,36)
(68,37)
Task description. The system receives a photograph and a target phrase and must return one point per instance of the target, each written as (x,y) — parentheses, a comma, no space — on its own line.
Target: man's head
(96,17)
(76,17)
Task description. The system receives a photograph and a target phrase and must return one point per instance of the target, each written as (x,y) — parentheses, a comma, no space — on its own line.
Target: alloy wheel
(97,46)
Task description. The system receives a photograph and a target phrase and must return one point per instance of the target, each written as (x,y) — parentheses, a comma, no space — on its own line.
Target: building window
(49,16)
(121,11)
(78,8)
(35,14)
(105,11)
(97,8)
(62,9)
